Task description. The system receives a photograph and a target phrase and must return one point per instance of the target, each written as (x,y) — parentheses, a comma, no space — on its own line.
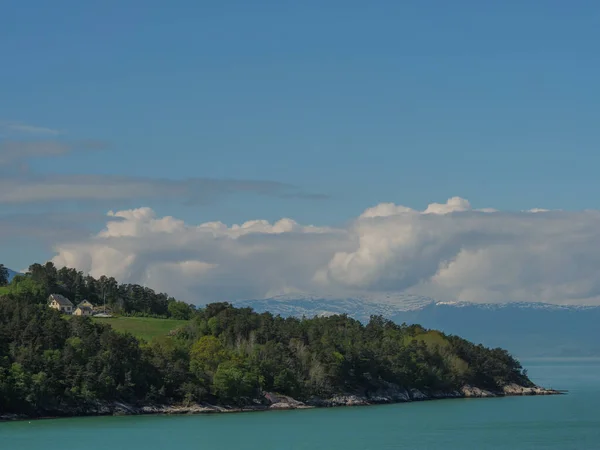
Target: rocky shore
(273,401)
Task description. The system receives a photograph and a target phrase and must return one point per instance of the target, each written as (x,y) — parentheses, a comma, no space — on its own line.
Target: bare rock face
(446,394)
(277,401)
(416,394)
(123,409)
(471,391)
(339,400)
(389,393)
(515,389)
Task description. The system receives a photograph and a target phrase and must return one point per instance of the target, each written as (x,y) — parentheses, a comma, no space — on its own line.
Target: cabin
(60,303)
(83,310)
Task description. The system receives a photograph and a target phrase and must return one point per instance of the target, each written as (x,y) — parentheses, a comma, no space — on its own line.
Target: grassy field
(142,327)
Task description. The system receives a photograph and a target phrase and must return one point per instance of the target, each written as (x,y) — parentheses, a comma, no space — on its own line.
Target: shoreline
(276,402)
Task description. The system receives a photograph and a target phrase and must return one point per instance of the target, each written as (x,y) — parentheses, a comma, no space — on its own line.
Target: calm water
(555,422)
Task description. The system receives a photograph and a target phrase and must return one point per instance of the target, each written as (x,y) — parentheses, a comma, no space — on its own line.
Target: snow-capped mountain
(525,329)
(360,307)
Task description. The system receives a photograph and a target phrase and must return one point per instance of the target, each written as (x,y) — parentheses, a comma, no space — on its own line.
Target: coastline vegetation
(219,354)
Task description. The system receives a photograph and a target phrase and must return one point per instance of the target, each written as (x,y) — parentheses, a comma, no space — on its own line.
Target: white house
(61,303)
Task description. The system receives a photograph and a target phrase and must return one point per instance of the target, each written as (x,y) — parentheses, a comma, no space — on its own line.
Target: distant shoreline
(276,402)
(558,358)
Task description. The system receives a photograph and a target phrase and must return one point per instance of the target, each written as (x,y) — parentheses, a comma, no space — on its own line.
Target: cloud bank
(12,127)
(448,251)
(32,188)
(20,144)
(17,151)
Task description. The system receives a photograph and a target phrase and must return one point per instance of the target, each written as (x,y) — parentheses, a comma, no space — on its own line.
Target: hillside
(526,329)
(234,357)
(122,299)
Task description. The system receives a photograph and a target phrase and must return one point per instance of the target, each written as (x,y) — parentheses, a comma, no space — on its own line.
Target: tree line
(125,299)
(224,355)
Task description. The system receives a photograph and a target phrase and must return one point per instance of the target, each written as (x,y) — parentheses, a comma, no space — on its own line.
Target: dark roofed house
(85,303)
(61,303)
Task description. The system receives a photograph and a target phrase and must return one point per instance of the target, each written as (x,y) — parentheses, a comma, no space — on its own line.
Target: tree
(25,288)
(233,381)
(225,355)
(206,355)
(3,275)
(180,310)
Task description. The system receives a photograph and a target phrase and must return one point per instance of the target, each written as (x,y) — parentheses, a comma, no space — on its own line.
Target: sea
(570,421)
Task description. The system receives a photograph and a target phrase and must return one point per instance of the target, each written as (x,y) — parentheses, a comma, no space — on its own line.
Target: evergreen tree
(3,275)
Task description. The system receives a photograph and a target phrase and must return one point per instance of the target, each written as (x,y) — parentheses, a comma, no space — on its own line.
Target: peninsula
(223,358)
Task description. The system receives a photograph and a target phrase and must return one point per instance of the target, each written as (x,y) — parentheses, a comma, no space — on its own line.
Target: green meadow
(142,327)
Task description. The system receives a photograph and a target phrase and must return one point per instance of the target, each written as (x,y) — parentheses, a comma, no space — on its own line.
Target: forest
(124,299)
(223,355)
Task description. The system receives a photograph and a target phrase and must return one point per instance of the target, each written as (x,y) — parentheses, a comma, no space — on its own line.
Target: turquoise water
(554,422)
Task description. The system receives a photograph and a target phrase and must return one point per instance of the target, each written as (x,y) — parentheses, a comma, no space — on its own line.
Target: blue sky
(350,104)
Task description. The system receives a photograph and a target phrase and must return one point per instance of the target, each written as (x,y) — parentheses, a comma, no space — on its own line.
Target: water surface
(553,422)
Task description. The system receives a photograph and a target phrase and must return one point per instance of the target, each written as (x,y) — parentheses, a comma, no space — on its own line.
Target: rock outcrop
(473,391)
(390,393)
(515,389)
(277,401)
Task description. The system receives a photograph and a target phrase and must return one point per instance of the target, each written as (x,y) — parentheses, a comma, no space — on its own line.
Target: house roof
(84,308)
(85,303)
(61,300)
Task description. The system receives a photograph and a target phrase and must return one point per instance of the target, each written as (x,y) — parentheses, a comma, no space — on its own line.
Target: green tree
(234,382)
(3,275)
(180,310)
(206,355)
(23,287)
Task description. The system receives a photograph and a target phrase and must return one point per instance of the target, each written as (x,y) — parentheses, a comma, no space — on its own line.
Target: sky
(362,145)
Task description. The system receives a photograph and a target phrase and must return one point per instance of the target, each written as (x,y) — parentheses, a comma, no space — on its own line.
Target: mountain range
(525,329)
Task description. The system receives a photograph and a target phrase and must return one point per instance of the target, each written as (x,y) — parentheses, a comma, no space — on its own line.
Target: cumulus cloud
(210,261)
(449,251)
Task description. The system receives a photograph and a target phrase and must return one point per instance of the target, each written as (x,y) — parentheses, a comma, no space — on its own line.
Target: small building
(83,310)
(61,303)
(85,303)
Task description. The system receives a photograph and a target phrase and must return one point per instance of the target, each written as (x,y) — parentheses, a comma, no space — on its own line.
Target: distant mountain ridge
(359,307)
(525,329)
(11,274)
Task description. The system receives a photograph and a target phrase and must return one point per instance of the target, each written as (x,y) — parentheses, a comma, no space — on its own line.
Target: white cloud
(448,251)
(385,210)
(30,188)
(537,210)
(24,128)
(454,204)
(12,151)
